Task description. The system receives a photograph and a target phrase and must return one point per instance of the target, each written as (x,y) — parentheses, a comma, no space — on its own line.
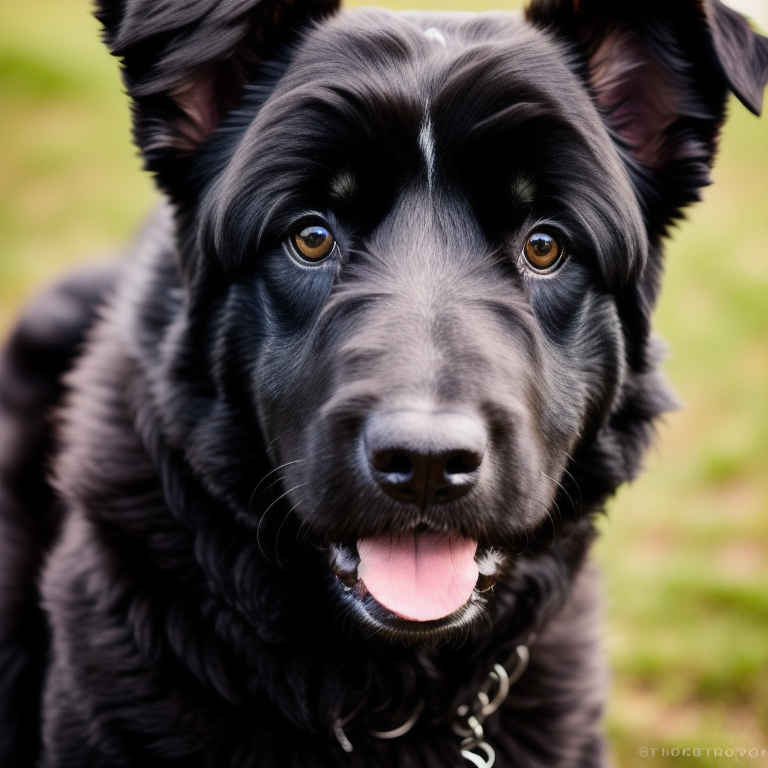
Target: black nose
(425,457)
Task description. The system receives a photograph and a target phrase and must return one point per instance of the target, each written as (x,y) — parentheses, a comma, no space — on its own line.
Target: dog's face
(428,241)
(420,254)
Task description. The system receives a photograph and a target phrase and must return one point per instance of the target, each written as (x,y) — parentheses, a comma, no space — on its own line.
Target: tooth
(486,581)
(347,579)
(344,565)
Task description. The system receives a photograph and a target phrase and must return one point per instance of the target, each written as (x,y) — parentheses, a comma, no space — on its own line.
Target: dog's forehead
(410,68)
(372,103)
(439,76)
(418,52)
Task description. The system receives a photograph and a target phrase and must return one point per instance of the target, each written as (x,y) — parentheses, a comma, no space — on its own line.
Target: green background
(685,549)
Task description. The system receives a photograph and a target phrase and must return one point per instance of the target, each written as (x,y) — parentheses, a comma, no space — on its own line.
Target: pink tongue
(419,576)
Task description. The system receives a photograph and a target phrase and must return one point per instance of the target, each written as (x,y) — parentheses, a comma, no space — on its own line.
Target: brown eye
(542,251)
(314,242)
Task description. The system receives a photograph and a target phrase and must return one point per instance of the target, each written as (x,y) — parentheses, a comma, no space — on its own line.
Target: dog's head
(419,254)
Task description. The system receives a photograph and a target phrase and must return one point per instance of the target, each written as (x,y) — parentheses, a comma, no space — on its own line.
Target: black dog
(327,463)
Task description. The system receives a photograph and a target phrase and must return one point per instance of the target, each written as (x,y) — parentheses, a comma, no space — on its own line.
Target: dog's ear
(661,72)
(185,65)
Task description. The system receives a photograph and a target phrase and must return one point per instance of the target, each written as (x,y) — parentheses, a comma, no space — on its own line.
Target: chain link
(470,718)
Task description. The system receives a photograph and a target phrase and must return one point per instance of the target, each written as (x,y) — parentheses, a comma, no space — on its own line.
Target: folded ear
(186,64)
(661,72)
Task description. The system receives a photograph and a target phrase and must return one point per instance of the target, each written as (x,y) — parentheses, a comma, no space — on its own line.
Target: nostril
(424,457)
(463,463)
(392,462)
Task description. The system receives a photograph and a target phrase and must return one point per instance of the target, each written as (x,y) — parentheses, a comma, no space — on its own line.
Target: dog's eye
(313,242)
(542,251)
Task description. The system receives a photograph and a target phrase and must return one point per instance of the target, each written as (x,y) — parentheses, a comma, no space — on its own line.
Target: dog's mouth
(417,584)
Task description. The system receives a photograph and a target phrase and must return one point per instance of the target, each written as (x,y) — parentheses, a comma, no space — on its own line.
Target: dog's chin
(376,620)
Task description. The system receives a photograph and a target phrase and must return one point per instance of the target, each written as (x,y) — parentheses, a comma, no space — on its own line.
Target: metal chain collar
(468,723)
(470,717)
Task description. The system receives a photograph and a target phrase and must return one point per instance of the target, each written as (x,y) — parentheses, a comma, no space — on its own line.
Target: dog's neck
(468,720)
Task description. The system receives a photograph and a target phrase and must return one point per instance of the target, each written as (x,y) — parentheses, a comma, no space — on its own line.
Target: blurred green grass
(70,180)
(685,549)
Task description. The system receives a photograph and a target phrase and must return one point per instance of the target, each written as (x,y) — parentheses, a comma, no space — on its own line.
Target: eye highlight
(313,242)
(543,252)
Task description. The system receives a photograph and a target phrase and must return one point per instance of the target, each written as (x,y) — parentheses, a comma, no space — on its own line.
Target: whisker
(268,488)
(303,528)
(576,486)
(321,457)
(263,517)
(562,488)
(527,544)
(555,527)
(271,472)
(277,535)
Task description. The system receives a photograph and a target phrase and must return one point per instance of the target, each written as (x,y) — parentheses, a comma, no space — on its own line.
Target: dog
(310,477)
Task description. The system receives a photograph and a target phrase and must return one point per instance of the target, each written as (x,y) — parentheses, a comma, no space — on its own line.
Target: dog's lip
(344,559)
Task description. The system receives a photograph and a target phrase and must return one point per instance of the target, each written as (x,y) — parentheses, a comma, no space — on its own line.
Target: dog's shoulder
(39,350)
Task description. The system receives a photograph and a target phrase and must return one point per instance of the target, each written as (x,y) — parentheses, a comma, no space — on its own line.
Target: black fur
(213,435)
